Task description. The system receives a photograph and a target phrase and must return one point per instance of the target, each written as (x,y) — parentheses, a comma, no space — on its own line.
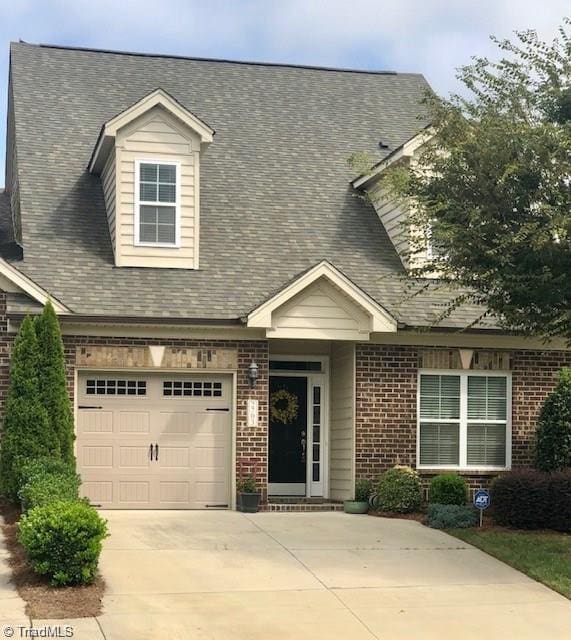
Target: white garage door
(154,441)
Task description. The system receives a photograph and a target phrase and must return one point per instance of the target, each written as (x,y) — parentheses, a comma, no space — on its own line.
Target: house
(228,305)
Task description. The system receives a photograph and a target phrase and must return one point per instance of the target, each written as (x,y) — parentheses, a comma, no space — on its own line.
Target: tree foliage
(553,437)
(26,430)
(494,186)
(52,381)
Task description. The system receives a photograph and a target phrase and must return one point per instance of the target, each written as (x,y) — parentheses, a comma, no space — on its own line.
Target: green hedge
(529,499)
(451,516)
(35,467)
(63,541)
(399,490)
(448,488)
(49,487)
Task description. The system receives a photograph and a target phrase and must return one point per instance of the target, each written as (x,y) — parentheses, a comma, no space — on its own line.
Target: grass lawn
(544,556)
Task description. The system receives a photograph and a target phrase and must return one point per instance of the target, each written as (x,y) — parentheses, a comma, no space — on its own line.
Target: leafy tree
(553,438)
(26,433)
(493,185)
(52,381)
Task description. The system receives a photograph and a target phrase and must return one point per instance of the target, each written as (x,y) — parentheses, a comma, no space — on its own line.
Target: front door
(288,435)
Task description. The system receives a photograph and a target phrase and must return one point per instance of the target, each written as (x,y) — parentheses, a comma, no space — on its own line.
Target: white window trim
(463,466)
(165,245)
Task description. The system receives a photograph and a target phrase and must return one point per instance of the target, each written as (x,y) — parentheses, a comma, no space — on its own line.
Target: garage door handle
(151,451)
(217,409)
(156,452)
(88,406)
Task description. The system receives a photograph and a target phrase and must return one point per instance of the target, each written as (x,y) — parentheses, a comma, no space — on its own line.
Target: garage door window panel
(115,387)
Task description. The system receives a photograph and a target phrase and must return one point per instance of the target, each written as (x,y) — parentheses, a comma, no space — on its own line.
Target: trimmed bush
(42,466)
(553,436)
(52,381)
(399,490)
(448,488)
(451,516)
(26,431)
(529,499)
(63,541)
(48,488)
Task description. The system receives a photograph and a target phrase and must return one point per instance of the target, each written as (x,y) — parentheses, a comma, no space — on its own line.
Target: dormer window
(148,157)
(157,203)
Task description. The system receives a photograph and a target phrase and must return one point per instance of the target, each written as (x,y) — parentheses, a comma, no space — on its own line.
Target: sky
(432,37)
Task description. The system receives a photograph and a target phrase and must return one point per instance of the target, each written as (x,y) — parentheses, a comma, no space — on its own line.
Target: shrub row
(62,534)
(399,490)
(529,499)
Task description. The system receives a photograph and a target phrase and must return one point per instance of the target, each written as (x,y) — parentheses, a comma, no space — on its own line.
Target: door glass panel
(316,450)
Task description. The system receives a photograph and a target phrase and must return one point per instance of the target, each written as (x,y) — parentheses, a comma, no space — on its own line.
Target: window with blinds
(157,192)
(463,420)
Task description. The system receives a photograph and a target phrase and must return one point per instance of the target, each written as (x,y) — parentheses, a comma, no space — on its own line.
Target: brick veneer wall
(386,397)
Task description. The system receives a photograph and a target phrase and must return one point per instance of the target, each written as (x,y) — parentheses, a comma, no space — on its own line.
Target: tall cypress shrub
(52,381)
(26,433)
(553,437)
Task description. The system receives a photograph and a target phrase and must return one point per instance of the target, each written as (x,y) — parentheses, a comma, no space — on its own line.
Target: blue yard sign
(482,501)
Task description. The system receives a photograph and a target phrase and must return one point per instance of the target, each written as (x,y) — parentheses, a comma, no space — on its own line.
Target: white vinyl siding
(320,311)
(464,420)
(109,193)
(342,422)
(393,214)
(157,137)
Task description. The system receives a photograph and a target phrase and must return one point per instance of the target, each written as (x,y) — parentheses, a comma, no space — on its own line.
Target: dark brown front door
(288,435)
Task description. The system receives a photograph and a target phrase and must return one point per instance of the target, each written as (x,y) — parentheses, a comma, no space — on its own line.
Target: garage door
(154,442)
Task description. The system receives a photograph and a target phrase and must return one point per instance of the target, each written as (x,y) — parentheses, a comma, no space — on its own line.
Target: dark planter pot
(355,506)
(248,502)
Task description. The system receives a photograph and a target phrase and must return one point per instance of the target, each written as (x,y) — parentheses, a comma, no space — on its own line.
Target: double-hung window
(157,203)
(464,420)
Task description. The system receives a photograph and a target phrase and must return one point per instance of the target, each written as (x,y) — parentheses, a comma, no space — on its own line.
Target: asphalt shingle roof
(275,183)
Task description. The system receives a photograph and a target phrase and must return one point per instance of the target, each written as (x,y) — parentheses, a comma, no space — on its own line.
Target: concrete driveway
(220,575)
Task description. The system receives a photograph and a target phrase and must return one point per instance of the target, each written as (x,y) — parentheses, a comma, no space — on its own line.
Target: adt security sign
(481,501)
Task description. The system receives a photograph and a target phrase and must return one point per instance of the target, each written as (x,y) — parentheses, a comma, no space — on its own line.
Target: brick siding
(386,397)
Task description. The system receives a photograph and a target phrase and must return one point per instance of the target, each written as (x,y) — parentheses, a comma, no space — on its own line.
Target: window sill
(462,472)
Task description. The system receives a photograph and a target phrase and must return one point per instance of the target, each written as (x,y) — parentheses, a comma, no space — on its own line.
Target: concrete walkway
(222,575)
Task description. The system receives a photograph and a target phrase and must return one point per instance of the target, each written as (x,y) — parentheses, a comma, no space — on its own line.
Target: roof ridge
(286,65)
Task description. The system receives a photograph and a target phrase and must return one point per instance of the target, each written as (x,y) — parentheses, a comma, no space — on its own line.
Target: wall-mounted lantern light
(253,374)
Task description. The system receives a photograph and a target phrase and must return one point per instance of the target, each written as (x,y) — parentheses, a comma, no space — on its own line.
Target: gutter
(142,320)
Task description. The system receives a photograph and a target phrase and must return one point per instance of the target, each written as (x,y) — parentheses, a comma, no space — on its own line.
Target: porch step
(301,506)
(297,500)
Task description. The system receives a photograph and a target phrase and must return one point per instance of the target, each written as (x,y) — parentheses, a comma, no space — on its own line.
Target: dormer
(392,211)
(148,157)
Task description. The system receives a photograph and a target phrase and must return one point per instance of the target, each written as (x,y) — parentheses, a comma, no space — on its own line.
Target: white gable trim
(29,287)
(157,98)
(377,318)
(406,150)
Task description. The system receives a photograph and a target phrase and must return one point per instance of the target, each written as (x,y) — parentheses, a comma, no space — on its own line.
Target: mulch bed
(418,517)
(43,600)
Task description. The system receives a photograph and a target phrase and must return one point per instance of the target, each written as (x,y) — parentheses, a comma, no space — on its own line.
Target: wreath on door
(283,406)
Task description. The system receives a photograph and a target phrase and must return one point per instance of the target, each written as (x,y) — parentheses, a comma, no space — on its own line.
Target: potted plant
(248,496)
(363,491)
